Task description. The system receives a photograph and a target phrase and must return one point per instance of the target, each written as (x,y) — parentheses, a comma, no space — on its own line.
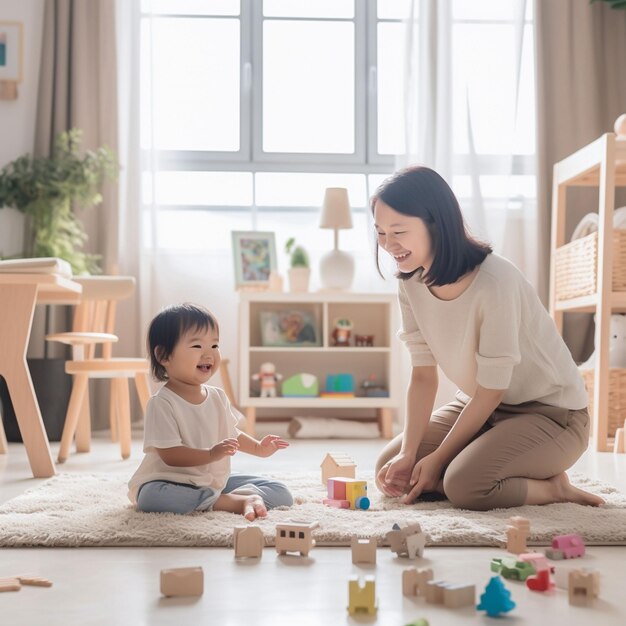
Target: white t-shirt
(496,334)
(172,421)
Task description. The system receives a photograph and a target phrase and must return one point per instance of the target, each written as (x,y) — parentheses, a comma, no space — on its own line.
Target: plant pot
(299,279)
(52,388)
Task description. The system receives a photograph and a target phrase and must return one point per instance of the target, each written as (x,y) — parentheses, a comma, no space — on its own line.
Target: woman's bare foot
(253,507)
(566,492)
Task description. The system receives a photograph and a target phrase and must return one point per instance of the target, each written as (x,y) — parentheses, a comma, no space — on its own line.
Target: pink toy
(347,493)
(268,377)
(566,547)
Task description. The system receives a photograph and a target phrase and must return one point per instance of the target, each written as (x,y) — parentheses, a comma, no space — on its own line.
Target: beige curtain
(78,88)
(581,90)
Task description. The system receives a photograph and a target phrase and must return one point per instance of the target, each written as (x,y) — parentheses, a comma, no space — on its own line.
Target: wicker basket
(617,396)
(576,266)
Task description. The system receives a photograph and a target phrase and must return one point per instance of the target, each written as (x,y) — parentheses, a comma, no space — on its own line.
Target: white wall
(17,117)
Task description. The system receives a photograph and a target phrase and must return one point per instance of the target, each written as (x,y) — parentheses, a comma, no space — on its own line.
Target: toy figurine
(341,332)
(268,377)
(364,340)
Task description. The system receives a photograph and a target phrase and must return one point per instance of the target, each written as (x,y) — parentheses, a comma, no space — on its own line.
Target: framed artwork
(11,51)
(288,328)
(254,254)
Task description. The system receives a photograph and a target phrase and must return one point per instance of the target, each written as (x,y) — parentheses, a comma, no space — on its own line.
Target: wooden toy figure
(268,377)
(341,332)
(362,595)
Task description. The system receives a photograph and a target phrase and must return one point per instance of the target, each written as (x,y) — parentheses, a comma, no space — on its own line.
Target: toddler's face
(195,358)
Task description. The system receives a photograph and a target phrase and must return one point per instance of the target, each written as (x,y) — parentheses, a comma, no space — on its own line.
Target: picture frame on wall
(254,256)
(11,51)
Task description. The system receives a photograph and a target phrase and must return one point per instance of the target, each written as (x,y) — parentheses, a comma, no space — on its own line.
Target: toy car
(566,547)
(512,568)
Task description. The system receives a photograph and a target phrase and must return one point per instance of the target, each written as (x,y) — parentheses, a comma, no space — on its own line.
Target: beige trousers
(517,442)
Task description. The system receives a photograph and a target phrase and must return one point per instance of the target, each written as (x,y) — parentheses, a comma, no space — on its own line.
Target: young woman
(519,419)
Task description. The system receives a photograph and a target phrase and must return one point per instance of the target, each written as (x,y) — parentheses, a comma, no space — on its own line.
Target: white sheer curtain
(448,89)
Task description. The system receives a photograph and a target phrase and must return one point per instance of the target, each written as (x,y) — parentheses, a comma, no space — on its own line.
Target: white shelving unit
(371,314)
(600,164)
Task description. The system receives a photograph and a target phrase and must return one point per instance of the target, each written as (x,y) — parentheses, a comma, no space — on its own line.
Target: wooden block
(9,584)
(182,581)
(434,591)
(455,596)
(35,581)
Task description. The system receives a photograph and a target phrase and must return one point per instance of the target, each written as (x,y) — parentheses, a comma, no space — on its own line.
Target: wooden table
(19,293)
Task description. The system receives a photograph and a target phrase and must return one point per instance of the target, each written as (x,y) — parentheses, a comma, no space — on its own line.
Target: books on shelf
(44,265)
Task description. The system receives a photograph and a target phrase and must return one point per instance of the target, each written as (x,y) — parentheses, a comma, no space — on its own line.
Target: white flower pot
(299,278)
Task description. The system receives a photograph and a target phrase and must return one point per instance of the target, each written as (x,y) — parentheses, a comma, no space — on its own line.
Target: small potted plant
(299,270)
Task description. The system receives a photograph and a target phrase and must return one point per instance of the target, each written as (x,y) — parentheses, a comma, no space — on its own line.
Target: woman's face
(404,237)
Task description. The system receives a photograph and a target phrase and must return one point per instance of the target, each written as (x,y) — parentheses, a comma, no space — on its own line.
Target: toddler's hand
(270,444)
(228,447)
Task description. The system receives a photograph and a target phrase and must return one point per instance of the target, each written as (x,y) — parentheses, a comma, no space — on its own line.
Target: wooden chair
(93,325)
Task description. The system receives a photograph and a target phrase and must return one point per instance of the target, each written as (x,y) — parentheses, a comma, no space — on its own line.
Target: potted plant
(299,270)
(45,188)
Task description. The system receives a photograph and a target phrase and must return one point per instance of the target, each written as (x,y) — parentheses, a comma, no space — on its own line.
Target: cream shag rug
(92,510)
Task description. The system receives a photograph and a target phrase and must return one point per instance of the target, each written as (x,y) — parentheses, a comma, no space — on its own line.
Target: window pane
(390,88)
(191,7)
(195,90)
(195,230)
(484,87)
(395,9)
(308,87)
(306,8)
(200,188)
(496,186)
(300,189)
(491,9)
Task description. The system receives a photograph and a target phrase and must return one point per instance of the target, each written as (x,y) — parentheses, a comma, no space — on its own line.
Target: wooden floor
(121,585)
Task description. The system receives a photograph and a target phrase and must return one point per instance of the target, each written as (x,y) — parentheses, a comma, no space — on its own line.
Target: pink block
(336,488)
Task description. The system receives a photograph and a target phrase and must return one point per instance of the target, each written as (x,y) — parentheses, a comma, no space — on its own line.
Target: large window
(251,108)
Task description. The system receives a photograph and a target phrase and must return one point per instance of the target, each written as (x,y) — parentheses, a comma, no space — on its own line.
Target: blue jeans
(162,496)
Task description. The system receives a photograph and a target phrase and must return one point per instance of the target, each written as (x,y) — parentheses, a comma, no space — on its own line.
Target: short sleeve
(232,415)
(498,344)
(160,429)
(410,333)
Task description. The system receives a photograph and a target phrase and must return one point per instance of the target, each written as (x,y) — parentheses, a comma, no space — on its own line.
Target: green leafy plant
(298,256)
(615,4)
(45,188)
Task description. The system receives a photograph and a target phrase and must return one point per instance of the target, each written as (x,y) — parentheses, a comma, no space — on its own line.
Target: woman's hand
(425,477)
(270,444)
(227,447)
(393,477)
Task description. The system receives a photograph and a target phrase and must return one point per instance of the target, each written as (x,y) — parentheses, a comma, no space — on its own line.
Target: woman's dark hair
(418,191)
(169,326)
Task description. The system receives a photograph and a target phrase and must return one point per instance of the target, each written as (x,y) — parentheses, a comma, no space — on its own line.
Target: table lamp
(336,267)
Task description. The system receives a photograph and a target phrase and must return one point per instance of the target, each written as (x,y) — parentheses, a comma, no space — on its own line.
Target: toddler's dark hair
(167,328)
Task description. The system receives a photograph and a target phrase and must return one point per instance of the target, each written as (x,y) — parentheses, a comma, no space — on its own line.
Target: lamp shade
(336,209)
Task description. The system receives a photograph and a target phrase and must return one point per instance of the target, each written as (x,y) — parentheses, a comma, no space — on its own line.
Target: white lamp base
(337,270)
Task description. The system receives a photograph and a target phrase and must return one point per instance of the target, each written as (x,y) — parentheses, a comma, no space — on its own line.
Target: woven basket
(617,396)
(576,266)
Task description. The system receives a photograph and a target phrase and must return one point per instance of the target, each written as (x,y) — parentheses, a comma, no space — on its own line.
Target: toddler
(190,428)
